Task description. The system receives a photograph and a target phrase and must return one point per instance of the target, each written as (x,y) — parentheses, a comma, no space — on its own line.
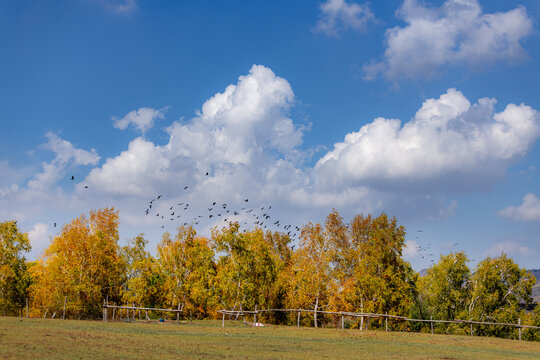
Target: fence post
(191,317)
(27,308)
(64,313)
(386,321)
(342,322)
(104,310)
(223,321)
(431,323)
(298,325)
(519,327)
(178,314)
(255,316)
(471,327)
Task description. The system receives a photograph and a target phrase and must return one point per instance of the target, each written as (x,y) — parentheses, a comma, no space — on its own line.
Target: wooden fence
(60,309)
(134,309)
(363,315)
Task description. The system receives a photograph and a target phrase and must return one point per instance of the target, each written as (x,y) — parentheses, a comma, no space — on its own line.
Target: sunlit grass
(71,339)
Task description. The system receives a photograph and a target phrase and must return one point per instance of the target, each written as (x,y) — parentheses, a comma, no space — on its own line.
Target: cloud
(244,130)
(529,210)
(509,247)
(11,176)
(457,33)
(410,251)
(143,119)
(39,238)
(246,140)
(66,154)
(449,145)
(338,15)
(119,7)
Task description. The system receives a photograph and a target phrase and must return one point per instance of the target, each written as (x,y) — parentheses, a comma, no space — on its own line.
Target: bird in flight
(246,200)
(207,173)
(54,224)
(72,177)
(185,187)
(86,186)
(159,196)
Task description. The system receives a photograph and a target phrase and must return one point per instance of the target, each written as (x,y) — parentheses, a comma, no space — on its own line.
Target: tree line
(337,266)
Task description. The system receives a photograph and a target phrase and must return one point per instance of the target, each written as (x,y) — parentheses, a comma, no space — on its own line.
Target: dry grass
(71,339)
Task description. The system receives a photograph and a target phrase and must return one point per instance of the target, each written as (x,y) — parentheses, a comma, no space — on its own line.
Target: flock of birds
(260,217)
(180,212)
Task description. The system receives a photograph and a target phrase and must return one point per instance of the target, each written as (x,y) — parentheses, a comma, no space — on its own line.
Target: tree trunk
(315,313)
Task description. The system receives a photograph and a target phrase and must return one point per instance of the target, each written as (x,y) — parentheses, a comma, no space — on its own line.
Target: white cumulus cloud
(529,210)
(410,251)
(243,131)
(243,144)
(39,237)
(66,154)
(339,15)
(143,119)
(449,144)
(456,33)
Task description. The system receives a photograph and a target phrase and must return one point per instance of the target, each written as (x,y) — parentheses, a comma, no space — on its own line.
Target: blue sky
(425,110)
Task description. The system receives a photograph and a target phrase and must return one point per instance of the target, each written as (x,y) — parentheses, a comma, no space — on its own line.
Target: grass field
(71,339)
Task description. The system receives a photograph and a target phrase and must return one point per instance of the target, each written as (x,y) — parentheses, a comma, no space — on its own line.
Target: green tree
(497,287)
(145,282)
(533,319)
(249,266)
(443,291)
(187,264)
(14,279)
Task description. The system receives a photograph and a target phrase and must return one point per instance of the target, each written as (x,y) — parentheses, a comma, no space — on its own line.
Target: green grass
(72,339)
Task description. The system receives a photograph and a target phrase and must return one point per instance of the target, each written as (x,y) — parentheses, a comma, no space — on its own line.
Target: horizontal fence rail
(140,308)
(134,308)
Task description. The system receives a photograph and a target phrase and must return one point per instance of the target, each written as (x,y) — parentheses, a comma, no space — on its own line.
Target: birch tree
(82,264)
(14,279)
